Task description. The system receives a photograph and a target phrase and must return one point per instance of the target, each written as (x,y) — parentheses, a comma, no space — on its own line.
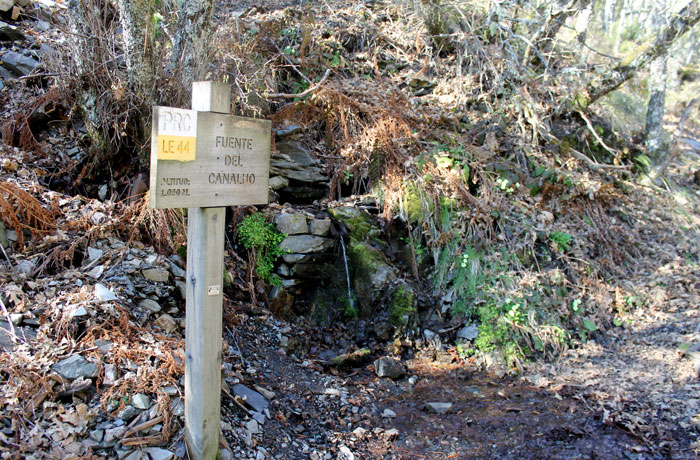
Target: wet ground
(321,412)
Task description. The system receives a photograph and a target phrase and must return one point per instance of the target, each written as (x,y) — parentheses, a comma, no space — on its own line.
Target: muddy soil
(320,411)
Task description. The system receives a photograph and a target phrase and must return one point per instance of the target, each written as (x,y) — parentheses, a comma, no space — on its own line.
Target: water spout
(347,272)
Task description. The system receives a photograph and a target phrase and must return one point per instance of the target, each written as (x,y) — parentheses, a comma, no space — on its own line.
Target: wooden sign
(206,159)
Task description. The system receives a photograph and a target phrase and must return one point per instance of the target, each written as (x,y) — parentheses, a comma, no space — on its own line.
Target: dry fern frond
(20,210)
(166,228)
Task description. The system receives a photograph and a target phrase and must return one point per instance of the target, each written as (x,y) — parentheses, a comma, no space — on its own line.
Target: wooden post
(205,268)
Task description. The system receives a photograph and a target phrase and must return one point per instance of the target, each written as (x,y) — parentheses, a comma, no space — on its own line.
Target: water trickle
(347,272)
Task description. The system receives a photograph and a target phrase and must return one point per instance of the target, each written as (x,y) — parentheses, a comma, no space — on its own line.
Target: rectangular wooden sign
(206,159)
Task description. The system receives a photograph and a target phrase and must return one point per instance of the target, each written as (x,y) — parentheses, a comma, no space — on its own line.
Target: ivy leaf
(590,325)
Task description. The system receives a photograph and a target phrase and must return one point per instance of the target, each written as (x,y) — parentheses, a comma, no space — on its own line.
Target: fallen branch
(305,93)
(597,136)
(143,426)
(596,166)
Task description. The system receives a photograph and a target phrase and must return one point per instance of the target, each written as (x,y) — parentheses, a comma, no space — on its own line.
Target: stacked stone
(309,248)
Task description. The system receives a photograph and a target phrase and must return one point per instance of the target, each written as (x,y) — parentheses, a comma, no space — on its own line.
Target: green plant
(263,242)
(561,240)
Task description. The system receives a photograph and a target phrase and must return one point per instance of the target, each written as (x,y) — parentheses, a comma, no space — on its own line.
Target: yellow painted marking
(180,148)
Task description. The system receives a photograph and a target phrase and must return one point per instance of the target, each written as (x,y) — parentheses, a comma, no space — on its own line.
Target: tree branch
(305,93)
(633,62)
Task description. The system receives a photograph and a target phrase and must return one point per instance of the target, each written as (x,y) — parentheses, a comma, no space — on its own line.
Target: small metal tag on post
(205,159)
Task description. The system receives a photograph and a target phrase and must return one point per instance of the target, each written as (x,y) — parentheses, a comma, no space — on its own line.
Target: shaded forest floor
(79,290)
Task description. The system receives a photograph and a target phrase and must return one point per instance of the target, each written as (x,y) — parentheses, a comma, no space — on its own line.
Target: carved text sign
(206,159)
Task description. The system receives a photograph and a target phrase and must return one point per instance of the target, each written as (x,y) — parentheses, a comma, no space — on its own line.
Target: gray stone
(102,192)
(291,224)
(438,407)
(177,271)
(113,434)
(307,175)
(178,407)
(18,63)
(251,397)
(10,33)
(287,131)
(166,322)
(157,275)
(141,401)
(469,332)
(294,258)
(96,271)
(252,426)
(128,413)
(134,455)
(170,391)
(260,418)
(284,270)
(103,293)
(75,367)
(26,266)
(345,453)
(305,244)
(110,377)
(291,283)
(320,227)
(97,435)
(278,182)
(16,318)
(156,453)
(389,367)
(6,5)
(150,305)
(181,289)
(80,311)
(296,152)
(388,413)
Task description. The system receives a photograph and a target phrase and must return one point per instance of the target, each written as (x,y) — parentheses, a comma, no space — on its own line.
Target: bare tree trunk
(654,131)
(86,56)
(135,16)
(676,27)
(191,52)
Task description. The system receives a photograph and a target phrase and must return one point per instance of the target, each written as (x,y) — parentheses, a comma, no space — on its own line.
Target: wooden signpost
(204,159)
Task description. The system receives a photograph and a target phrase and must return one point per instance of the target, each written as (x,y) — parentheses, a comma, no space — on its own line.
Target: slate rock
(75,367)
(291,224)
(251,397)
(320,227)
(166,322)
(278,182)
(157,275)
(6,5)
(18,63)
(103,293)
(389,367)
(299,154)
(469,332)
(128,413)
(287,131)
(438,407)
(156,453)
(181,289)
(10,33)
(150,305)
(141,401)
(177,271)
(305,244)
